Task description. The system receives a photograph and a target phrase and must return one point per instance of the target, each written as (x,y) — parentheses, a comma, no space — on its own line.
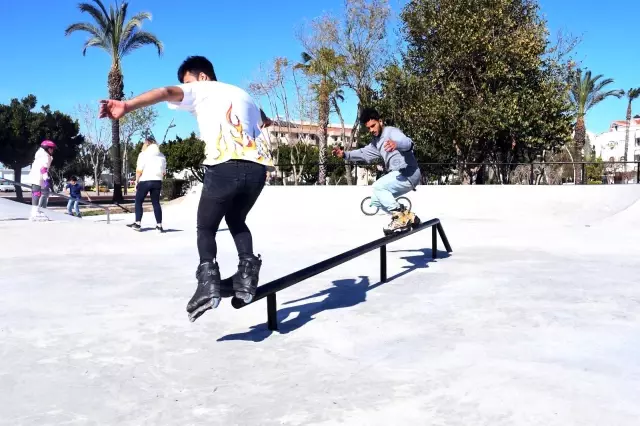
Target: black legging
(149,186)
(230,190)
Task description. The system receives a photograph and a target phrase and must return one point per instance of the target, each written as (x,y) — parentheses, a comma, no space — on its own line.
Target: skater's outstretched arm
(367,154)
(115,109)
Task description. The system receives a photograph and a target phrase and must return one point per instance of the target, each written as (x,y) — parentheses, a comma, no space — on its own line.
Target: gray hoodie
(401,159)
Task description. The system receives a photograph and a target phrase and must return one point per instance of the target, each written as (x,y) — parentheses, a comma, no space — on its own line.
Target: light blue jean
(387,189)
(70,205)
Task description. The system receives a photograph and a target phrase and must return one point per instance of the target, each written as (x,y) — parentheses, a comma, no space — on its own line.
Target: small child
(75,190)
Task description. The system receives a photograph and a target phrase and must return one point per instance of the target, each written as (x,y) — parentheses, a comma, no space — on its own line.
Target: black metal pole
(638,173)
(383,264)
(313,270)
(445,240)
(434,242)
(272,312)
(531,178)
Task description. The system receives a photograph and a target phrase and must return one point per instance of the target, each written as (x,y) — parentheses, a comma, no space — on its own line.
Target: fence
(269,290)
(536,173)
(57,194)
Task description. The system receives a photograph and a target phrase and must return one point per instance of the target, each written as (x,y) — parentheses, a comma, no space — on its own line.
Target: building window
(636,157)
(637,141)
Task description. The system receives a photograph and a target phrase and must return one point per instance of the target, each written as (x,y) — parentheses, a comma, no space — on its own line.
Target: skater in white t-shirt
(236,161)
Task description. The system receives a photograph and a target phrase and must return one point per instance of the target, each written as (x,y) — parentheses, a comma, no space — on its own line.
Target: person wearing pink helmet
(39,179)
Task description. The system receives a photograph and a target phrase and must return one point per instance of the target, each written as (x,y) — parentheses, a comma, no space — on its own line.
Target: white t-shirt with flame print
(229,122)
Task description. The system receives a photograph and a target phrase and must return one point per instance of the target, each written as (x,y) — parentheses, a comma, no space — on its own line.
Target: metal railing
(57,194)
(534,173)
(270,289)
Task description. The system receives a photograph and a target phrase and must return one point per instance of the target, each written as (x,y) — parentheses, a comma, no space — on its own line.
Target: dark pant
(149,186)
(230,190)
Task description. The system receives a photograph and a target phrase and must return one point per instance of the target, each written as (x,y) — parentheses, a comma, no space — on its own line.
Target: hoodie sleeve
(367,154)
(403,142)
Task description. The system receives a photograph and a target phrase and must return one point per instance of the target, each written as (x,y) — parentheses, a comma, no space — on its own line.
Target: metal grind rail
(270,289)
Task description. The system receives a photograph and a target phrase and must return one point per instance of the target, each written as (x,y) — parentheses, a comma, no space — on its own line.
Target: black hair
(368,114)
(195,65)
(74,178)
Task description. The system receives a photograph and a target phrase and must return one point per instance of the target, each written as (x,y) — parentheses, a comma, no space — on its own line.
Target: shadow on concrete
(344,293)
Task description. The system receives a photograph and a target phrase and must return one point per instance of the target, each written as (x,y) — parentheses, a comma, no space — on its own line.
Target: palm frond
(633,94)
(587,91)
(102,8)
(84,26)
(598,86)
(135,23)
(97,15)
(94,42)
(140,39)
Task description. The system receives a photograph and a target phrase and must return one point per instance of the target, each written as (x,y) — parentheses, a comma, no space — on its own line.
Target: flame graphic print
(233,142)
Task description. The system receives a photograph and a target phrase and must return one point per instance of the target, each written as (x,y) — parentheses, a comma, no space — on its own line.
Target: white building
(291,132)
(610,145)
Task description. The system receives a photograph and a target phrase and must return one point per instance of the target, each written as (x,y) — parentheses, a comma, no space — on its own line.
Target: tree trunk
(323,116)
(116,91)
(343,136)
(96,182)
(125,169)
(579,139)
(626,137)
(17,176)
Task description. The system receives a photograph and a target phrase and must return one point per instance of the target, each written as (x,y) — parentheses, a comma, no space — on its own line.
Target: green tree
(595,169)
(22,130)
(322,67)
(113,33)
(476,83)
(587,92)
(632,95)
(184,154)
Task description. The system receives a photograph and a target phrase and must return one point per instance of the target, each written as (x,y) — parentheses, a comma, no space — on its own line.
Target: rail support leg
(445,240)
(434,242)
(272,312)
(383,264)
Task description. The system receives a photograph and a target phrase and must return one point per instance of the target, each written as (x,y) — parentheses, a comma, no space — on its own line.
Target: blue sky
(237,36)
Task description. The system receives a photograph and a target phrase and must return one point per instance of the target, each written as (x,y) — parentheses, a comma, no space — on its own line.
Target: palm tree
(112,33)
(338,95)
(585,93)
(632,95)
(324,69)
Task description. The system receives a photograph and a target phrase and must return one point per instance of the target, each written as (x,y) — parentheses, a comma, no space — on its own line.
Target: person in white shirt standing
(236,161)
(150,170)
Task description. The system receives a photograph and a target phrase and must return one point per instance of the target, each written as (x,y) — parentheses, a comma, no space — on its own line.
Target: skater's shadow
(344,293)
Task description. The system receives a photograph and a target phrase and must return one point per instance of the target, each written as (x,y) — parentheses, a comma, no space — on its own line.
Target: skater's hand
(112,109)
(338,152)
(390,145)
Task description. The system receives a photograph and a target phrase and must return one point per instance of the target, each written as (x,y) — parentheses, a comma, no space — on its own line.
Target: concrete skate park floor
(532,320)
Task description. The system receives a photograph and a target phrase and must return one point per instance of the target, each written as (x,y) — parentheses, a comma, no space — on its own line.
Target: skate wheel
(237,303)
(245,297)
(416,221)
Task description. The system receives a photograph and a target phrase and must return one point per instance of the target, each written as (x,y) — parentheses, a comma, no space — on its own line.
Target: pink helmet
(48,144)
